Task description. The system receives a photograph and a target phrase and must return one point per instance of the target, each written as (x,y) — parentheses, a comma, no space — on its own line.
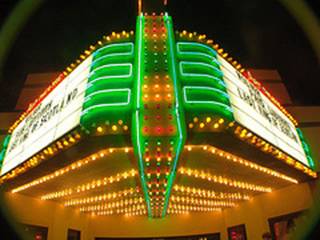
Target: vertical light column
(158,135)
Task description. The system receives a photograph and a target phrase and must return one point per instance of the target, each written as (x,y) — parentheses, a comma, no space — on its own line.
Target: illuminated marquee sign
(56,115)
(155,99)
(256,112)
(207,81)
(156,86)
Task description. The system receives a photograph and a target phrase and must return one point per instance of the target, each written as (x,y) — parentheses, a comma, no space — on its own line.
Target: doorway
(73,234)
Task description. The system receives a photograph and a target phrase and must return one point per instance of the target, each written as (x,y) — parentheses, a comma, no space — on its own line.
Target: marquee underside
(103,179)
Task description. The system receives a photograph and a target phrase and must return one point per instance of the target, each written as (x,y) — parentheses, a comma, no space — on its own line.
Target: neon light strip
(215,90)
(198,44)
(115,54)
(90,96)
(173,171)
(206,102)
(139,75)
(111,55)
(191,75)
(139,59)
(199,74)
(91,83)
(114,45)
(213,58)
(111,65)
(107,104)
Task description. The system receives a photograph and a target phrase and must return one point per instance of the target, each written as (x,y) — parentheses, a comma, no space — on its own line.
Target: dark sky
(258,33)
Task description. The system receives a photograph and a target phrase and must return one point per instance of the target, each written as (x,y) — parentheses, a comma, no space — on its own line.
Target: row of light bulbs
(59,145)
(180,207)
(157,97)
(200,201)
(90,185)
(103,197)
(222,180)
(136,213)
(176,211)
(72,167)
(126,211)
(135,204)
(114,128)
(248,136)
(192,191)
(239,160)
(156,77)
(157,87)
(207,122)
(203,39)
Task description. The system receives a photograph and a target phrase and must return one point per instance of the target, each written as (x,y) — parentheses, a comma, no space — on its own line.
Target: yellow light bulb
(99,129)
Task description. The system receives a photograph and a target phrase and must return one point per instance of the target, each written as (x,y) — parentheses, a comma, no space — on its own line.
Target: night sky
(258,33)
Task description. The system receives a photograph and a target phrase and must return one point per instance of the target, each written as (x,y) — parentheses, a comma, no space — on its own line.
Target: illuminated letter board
(56,115)
(253,110)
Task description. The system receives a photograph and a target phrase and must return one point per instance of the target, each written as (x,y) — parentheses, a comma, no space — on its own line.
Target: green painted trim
(108,96)
(4,148)
(178,108)
(306,149)
(204,90)
(136,137)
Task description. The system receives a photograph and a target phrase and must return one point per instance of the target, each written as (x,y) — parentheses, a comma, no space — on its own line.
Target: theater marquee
(56,115)
(256,112)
